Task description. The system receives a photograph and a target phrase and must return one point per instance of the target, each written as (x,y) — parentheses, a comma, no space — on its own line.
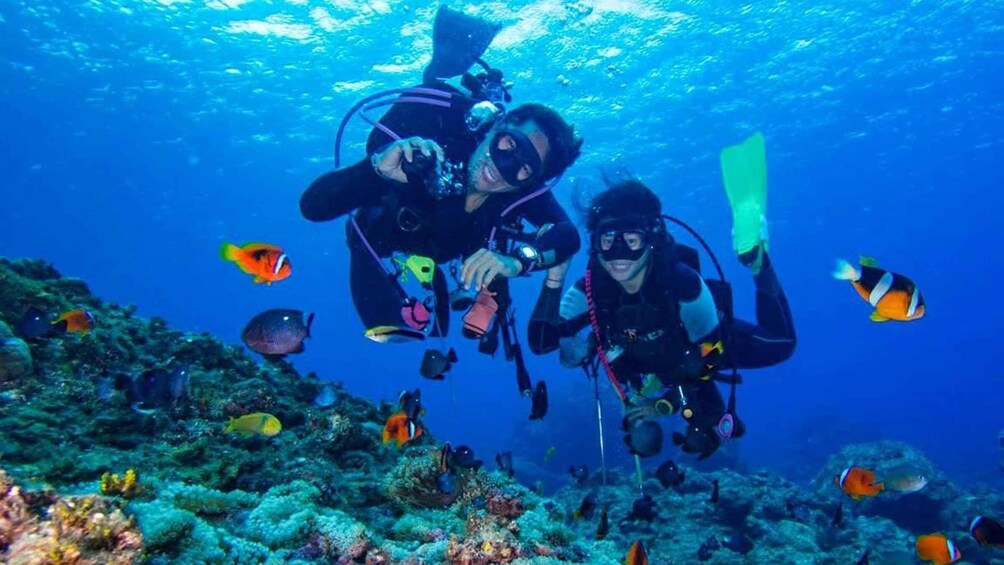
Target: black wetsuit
(406,218)
(660,330)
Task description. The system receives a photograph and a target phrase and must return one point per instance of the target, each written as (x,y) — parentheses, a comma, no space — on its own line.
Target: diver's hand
(645,408)
(640,408)
(387,163)
(480,269)
(556,275)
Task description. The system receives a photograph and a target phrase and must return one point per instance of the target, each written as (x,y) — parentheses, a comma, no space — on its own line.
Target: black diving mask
(621,240)
(512,152)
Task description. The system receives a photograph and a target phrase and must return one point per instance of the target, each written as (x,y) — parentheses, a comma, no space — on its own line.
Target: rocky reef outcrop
(90,477)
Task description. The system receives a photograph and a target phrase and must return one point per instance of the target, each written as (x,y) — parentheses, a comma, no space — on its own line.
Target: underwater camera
(489,85)
(440,179)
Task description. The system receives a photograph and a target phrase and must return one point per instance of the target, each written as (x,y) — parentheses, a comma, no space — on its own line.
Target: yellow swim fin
(744,172)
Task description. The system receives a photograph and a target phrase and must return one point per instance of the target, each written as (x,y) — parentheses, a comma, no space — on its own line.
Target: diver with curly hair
(445,168)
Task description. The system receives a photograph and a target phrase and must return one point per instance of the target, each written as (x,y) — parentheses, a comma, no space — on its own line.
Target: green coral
(164,526)
(539,526)
(284,516)
(420,527)
(206,501)
(340,530)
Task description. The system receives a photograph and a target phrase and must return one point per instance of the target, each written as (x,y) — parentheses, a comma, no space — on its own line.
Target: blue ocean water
(138,136)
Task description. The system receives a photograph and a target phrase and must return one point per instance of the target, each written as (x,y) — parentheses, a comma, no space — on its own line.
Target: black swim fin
(458,40)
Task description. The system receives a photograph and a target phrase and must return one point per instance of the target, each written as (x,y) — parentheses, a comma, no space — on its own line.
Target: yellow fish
(708,348)
(393,334)
(550,453)
(257,423)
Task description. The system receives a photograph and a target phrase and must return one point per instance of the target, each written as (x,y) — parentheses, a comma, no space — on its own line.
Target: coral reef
(126,486)
(15,356)
(326,490)
(73,530)
(412,482)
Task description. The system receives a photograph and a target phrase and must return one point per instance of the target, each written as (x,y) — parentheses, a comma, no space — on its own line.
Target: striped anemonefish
(987,531)
(268,263)
(893,296)
(75,321)
(636,555)
(937,549)
(858,483)
(400,429)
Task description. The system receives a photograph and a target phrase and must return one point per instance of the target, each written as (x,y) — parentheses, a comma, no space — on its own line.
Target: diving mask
(621,240)
(513,153)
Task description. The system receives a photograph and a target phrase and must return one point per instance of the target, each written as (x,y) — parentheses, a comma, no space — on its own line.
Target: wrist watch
(528,257)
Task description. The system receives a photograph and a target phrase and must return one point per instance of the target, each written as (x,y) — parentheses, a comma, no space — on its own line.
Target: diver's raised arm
(339,192)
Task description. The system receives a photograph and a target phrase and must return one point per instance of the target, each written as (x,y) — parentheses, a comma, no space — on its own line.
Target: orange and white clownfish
(636,555)
(937,549)
(400,429)
(858,483)
(268,263)
(893,296)
(75,321)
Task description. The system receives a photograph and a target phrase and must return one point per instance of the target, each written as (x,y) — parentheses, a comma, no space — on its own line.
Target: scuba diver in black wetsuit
(447,174)
(663,332)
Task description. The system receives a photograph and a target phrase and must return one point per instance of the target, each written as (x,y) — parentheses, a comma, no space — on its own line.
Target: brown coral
(504,505)
(485,548)
(16,517)
(79,530)
(340,427)
(412,483)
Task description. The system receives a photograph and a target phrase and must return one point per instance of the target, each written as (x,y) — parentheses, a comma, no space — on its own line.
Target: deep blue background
(139,136)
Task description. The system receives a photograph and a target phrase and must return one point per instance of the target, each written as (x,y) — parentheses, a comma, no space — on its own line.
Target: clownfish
(75,321)
(400,429)
(937,549)
(636,555)
(893,296)
(987,531)
(268,263)
(858,483)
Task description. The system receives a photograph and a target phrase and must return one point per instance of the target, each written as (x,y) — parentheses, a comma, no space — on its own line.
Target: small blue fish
(326,397)
(446,483)
(579,472)
(643,509)
(105,388)
(178,384)
(462,457)
(35,324)
(740,543)
(156,388)
(504,461)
